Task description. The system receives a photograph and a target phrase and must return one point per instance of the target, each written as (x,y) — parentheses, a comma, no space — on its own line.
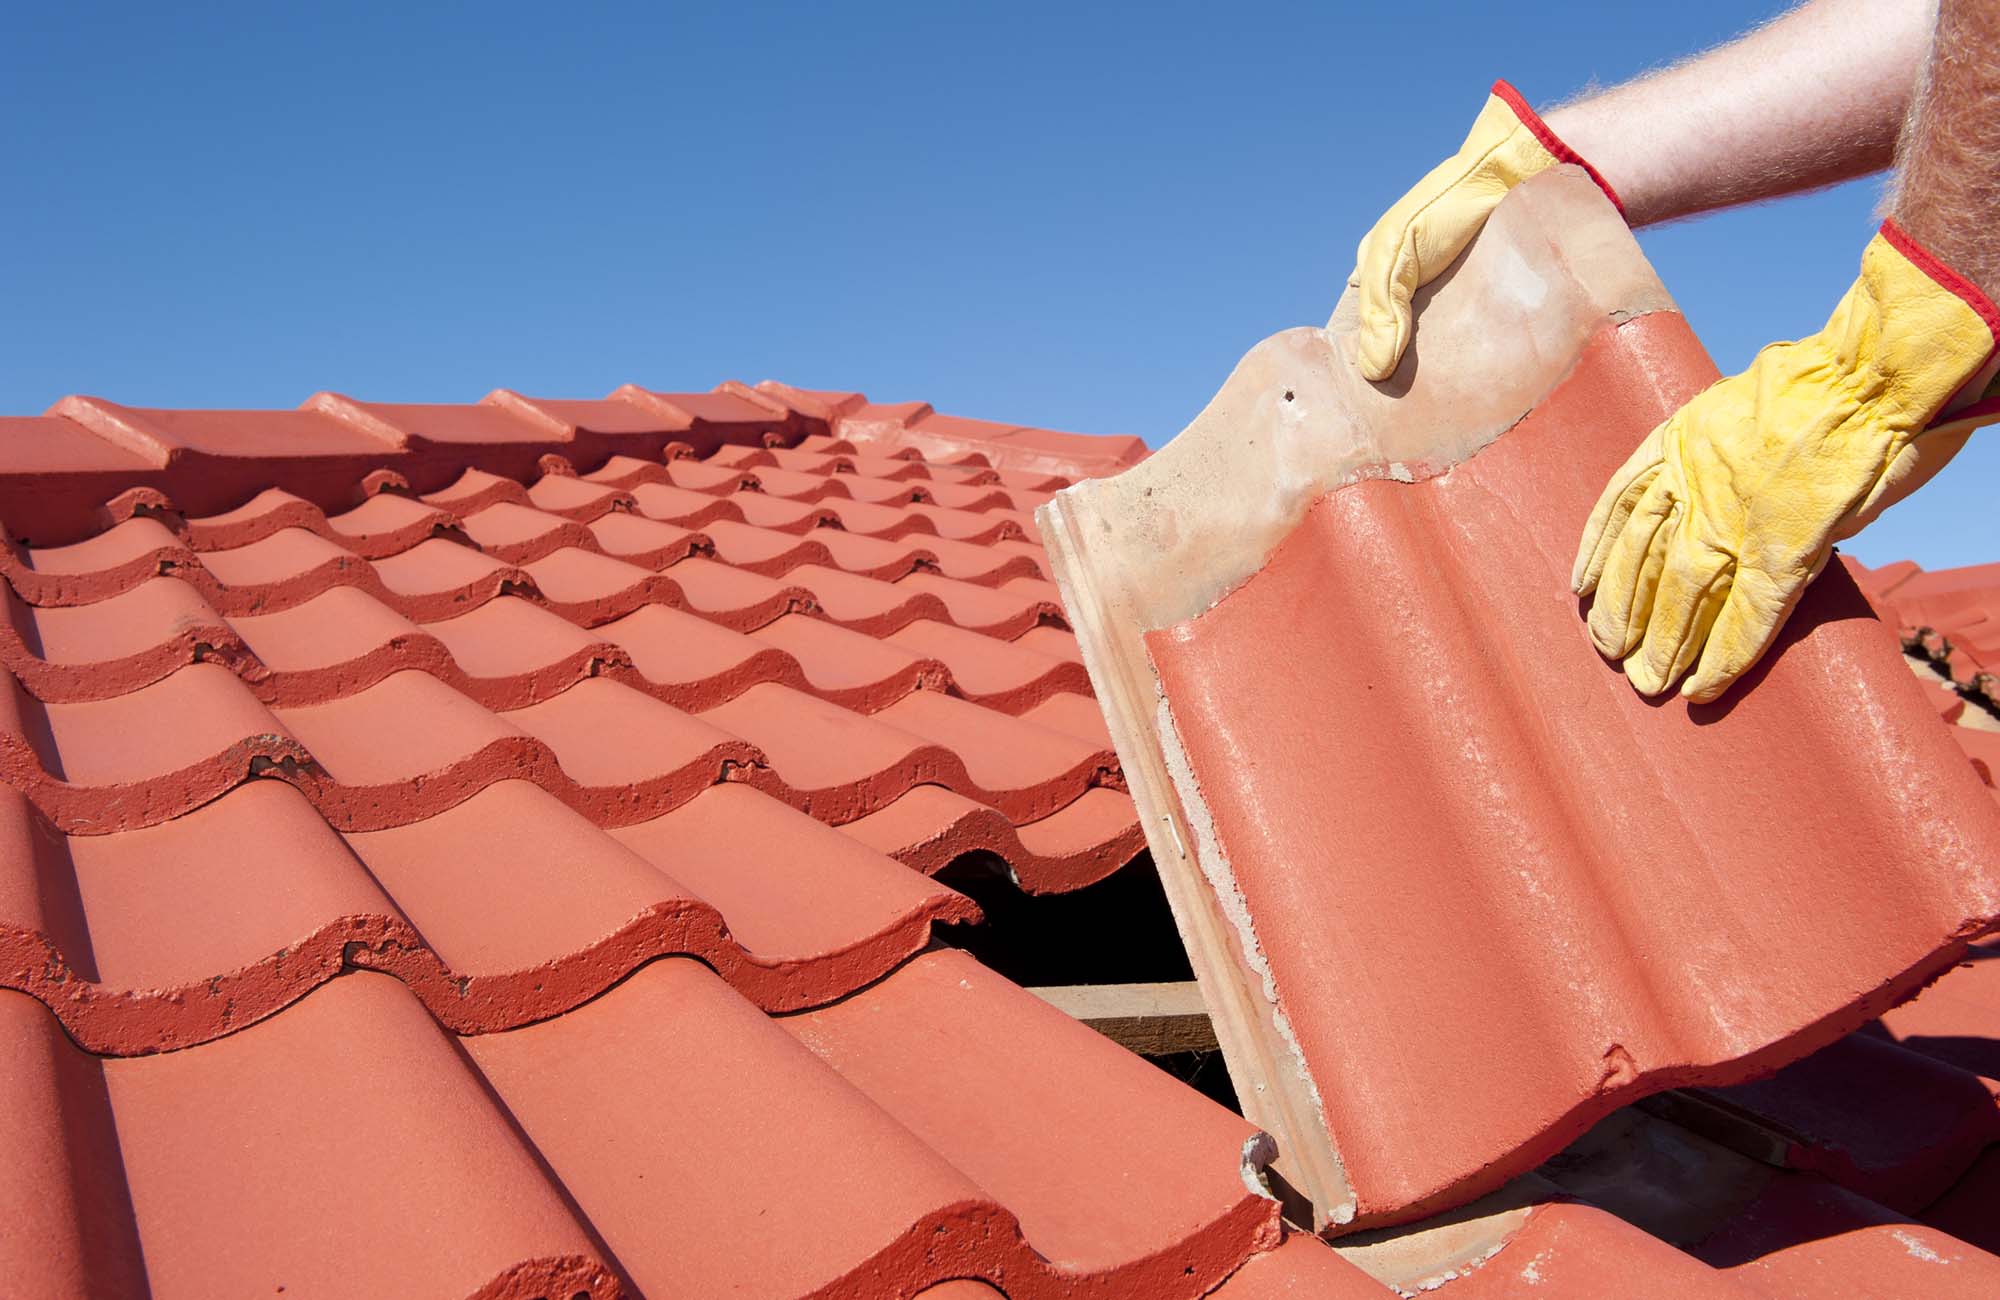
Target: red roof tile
(1487,892)
(1950,617)
(1634,1033)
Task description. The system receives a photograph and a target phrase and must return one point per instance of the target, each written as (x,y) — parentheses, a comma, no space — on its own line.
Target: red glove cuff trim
(1947,279)
(1979,410)
(1553,142)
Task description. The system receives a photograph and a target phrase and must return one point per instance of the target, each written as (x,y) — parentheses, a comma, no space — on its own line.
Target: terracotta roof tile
(144,757)
(692,663)
(344,1076)
(735,597)
(1419,798)
(1300,1269)
(1055,642)
(866,604)
(575,499)
(515,534)
(1950,617)
(709,478)
(475,489)
(1592,722)
(912,429)
(986,565)
(603,417)
(1004,675)
(1162,1220)
(879,557)
(1804,1236)
(1074,846)
(980,527)
(1071,713)
(43,443)
(839,765)
(850,669)
(440,575)
(767,551)
(339,642)
(111,646)
(478,423)
(165,434)
(869,519)
(673,505)
(704,1195)
(646,542)
(1966,1211)
(1895,1125)
(1006,612)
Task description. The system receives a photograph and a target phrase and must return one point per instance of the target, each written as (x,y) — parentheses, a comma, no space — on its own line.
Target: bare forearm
(1815,97)
(1948,177)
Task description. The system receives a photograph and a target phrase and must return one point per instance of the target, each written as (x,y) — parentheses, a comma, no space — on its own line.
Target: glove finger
(1633,558)
(1414,241)
(1385,278)
(1614,506)
(1748,625)
(1693,585)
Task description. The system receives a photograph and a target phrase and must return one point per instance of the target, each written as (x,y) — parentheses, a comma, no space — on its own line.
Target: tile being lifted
(1453,890)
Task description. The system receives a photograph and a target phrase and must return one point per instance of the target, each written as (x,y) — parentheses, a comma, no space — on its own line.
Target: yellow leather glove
(1430,226)
(1707,536)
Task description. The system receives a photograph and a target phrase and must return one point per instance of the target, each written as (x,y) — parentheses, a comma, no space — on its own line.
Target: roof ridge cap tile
(120,426)
(348,411)
(813,402)
(526,408)
(763,401)
(648,400)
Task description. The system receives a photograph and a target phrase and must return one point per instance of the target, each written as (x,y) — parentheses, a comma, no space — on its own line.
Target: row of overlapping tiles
(1949,616)
(579,661)
(529,749)
(666,1139)
(64,465)
(1950,620)
(869,1147)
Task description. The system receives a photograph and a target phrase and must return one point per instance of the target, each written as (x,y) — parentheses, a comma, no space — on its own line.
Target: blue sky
(1063,216)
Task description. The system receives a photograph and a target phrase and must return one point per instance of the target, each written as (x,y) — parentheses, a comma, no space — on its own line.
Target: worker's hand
(1706,538)
(1430,226)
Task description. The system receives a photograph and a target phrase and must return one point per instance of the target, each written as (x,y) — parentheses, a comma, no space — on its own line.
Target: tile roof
(1486,893)
(1949,620)
(488,850)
